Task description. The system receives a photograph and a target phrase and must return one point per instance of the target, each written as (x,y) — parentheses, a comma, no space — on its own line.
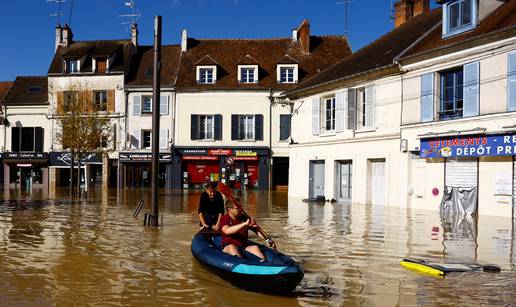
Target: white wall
(27,116)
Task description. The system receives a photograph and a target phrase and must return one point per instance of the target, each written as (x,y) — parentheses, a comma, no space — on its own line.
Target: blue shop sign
(469,146)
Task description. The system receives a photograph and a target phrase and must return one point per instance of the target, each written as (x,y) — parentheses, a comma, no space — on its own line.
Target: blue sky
(27,29)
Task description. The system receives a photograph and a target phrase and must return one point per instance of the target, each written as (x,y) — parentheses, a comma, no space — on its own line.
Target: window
(248,73)
(100,100)
(287,73)
(101,65)
(146,139)
(146,104)
(34,89)
(284,127)
(451,94)
(149,73)
(206,75)
(247,127)
(459,16)
(206,129)
(329,113)
(70,97)
(72,66)
(361,105)
(27,139)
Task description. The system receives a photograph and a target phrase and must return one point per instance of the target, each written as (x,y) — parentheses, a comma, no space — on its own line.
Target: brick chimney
(303,35)
(67,36)
(407,9)
(134,35)
(59,36)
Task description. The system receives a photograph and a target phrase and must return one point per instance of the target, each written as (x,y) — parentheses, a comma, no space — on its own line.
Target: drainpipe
(271,100)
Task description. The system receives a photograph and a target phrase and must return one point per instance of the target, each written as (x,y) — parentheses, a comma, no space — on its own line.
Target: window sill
(459,30)
(365,130)
(328,133)
(206,140)
(247,141)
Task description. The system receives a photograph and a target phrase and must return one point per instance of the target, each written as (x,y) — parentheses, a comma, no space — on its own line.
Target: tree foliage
(84,128)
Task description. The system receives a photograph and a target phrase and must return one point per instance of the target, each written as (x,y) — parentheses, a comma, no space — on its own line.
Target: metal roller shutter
(461,172)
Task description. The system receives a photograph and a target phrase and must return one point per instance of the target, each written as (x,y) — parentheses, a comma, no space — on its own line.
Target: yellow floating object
(422,268)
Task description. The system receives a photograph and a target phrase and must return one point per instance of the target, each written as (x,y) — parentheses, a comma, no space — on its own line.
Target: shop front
(478,170)
(240,168)
(135,169)
(91,168)
(26,170)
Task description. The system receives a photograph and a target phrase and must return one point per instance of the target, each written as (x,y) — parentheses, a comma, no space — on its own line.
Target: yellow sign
(245,153)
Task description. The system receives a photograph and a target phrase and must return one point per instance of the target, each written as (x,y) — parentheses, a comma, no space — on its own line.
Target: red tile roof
(19,94)
(4,89)
(144,62)
(502,18)
(267,53)
(377,55)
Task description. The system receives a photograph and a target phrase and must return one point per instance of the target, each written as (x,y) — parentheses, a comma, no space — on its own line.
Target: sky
(27,28)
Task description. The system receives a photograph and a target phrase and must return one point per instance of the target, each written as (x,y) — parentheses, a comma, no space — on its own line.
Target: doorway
(316,179)
(343,176)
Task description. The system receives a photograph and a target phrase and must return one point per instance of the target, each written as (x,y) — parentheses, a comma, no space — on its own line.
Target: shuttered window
(284,127)
(471,89)
(511,82)
(452,94)
(427,97)
(247,127)
(206,127)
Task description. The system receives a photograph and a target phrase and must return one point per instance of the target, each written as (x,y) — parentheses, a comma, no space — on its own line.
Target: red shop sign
(220,152)
(199,158)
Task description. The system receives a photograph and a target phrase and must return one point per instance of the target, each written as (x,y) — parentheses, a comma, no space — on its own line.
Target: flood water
(57,252)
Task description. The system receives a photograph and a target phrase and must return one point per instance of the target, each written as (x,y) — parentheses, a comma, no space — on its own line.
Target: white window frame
(361,108)
(279,69)
(68,66)
(142,111)
(142,144)
(201,68)
(324,112)
(447,31)
(248,123)
(206,127)
(241,68)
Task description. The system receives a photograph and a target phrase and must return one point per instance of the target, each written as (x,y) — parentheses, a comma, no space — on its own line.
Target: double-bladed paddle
(227,192)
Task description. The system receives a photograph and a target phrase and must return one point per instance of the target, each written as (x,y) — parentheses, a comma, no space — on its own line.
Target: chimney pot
(59,36)
(134,34)
(184,40)
(407,9)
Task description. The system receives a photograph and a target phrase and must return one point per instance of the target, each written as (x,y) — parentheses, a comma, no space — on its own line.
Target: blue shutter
(370,106)
(316,122)
(511,82)
(471,89)
(137,105)
(163,105)
(427,97)
(339,110)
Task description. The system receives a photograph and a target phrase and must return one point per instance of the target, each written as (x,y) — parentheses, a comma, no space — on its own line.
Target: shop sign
(24,165)
(469,146)
(26,155)
(199,158)
(245,153)
(220,152)
(65,159)
(192,151)
(142,157)
(245,158)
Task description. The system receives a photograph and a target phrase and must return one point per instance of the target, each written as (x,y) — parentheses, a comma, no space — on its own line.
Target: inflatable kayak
(279,274)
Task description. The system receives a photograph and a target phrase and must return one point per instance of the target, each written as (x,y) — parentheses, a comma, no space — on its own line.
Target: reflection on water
(93,252)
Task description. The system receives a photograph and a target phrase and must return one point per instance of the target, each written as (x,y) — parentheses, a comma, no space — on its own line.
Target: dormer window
(248,73)
(72,66)
(101,65)
(34,89)
(287,73)
(459,16)
(206,74)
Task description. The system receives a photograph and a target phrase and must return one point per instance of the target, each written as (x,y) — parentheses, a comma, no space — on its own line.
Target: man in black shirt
(211,207)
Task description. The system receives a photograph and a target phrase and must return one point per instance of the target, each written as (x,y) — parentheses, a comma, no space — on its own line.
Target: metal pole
(155,119)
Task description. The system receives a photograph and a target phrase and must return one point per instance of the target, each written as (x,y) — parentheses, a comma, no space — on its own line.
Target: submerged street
(57,252)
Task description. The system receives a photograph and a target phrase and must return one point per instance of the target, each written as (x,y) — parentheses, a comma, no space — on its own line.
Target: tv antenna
(346,23)
(135,13)
(59,10)
(392,12)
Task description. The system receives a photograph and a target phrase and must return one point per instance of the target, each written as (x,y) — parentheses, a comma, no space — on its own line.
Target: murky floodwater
(54,252)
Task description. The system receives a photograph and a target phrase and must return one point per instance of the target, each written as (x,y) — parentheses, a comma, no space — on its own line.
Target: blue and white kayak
(279,274)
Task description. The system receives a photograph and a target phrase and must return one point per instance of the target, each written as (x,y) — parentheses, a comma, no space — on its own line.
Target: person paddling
(235,228)
(211,207)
